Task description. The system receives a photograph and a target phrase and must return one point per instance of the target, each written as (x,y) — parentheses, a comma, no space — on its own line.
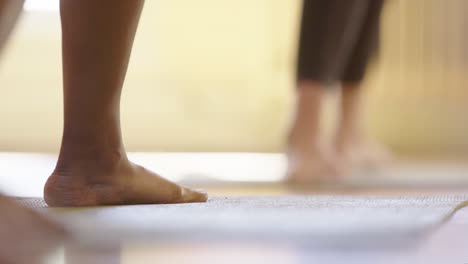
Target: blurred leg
(328,33)
(354,146)
(9,13)
(308,157)
(352,143)
(93,168)
(25,236)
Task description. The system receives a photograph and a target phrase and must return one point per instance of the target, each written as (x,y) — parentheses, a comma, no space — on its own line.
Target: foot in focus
(112,180)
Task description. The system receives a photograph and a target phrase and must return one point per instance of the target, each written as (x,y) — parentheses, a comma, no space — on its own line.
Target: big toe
(194,195)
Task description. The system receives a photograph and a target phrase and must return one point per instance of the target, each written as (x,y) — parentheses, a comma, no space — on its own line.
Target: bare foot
(353,145)
(363,154)
(117,181)
(312,166)
(25,235)
(308,160)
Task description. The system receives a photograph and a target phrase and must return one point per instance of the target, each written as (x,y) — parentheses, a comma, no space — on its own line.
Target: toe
(194,196)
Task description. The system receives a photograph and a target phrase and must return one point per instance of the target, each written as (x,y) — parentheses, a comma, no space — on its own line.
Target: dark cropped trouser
(337,39)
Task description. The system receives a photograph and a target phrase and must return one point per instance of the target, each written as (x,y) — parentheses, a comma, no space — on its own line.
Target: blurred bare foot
(26,237)
(312,166)
(362,154)
(353,145)
(308,160)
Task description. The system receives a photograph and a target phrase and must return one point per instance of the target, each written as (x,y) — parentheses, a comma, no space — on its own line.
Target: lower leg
(9,13)
(93,168)
(305,129)
(352,143)
(350,124)
(308,160)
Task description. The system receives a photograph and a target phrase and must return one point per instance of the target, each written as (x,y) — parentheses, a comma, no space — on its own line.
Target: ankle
(74,158)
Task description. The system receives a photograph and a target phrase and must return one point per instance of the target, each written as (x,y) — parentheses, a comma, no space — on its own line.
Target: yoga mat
(314,219)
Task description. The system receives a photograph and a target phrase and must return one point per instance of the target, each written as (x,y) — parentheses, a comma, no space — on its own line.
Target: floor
(447,244)
(258,174)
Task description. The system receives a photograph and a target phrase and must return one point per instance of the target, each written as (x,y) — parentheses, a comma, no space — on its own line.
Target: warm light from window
(41,5)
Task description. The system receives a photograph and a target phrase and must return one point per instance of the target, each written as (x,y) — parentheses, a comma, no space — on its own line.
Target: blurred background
(217,76)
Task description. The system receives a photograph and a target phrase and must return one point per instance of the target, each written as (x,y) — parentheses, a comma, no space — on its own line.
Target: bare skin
(354,147)
(309,159)
(26,236)
(9,13)
(93,168)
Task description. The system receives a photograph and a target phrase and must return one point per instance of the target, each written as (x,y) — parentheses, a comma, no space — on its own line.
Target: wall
(213,75)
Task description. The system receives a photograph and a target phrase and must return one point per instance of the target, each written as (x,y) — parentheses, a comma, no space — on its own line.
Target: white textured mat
(314,219)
